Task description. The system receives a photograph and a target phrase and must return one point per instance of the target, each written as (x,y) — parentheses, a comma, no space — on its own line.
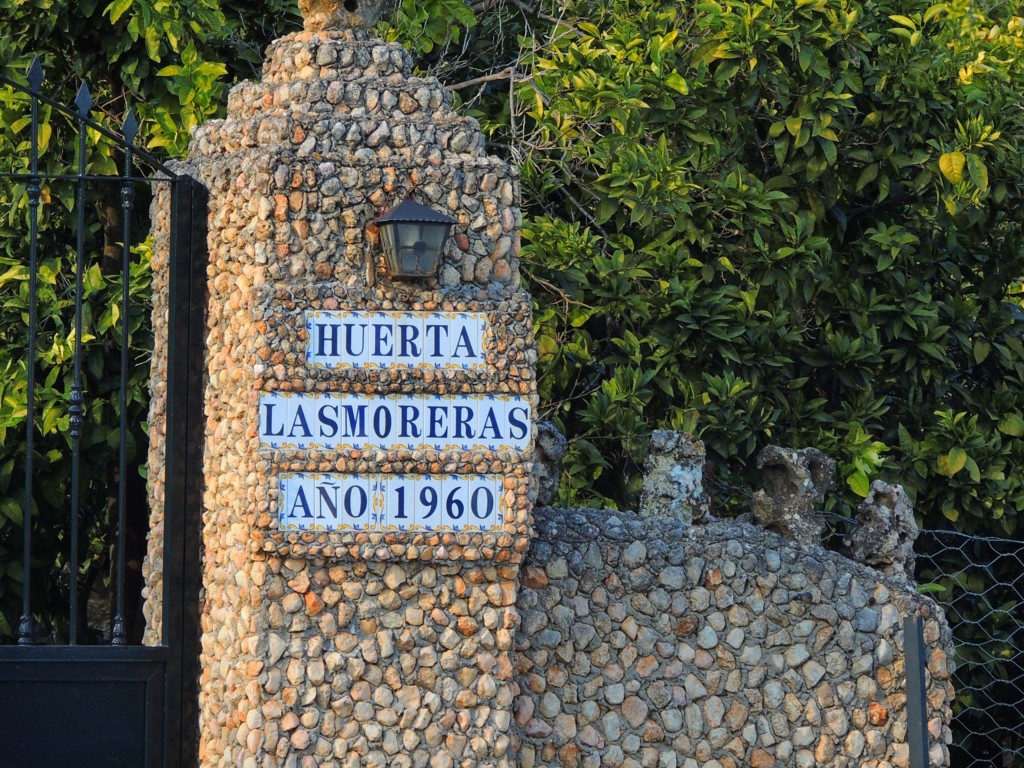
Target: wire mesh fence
(980,583)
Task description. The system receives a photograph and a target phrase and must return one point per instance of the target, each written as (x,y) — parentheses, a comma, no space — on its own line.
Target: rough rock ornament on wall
(674,478)
(551,449)
(886,531)
(795,484)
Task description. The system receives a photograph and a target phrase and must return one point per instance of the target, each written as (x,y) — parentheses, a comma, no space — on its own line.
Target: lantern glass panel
(434,235)
(416,246)
(387,239)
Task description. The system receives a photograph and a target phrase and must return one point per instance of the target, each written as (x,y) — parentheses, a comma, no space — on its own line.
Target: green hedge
(789,222)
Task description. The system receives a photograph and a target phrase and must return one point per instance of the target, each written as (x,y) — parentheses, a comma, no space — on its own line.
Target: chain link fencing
(979,581)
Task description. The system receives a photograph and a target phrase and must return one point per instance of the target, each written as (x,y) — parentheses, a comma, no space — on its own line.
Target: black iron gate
(77,688)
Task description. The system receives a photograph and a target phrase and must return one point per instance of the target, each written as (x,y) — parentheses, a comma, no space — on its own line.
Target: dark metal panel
(82,706)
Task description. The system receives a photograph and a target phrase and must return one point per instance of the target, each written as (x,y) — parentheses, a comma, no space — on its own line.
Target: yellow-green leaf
(952,166)
(978,172)
(117,9)
(677,82)
(934,11)
(904,20)
(859,483)
(952,462)
(974,470)
(1012,425)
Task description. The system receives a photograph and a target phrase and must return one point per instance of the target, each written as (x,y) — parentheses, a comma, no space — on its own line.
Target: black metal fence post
(184,464)
(25,625)
(917,703)
(76,407)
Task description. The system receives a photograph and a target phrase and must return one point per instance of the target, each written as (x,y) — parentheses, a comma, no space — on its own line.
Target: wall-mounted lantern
(413,237)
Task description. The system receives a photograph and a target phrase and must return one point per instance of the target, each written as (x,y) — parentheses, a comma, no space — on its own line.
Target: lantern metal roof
(411,211)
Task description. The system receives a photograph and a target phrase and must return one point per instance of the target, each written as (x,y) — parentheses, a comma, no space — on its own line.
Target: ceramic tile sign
(381,502)
(391,340)
(345,421)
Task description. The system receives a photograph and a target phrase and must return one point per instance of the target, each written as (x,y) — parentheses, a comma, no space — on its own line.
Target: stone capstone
(334,14)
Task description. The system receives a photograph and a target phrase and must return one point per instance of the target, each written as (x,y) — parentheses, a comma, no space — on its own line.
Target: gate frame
(183,500)
(169,673)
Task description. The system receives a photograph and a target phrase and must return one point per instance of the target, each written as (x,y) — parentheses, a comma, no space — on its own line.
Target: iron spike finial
(35,74)
(83,100)
(25,630)
(130,127)
(118,636)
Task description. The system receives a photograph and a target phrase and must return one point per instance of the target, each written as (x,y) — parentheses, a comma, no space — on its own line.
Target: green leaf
(11,509)
(978,172)
(866,176)
(859,483)
(804,57)
(973,471)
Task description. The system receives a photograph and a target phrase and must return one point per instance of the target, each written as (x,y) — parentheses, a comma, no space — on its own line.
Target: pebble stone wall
(152,565)
(645,642)
(322,648)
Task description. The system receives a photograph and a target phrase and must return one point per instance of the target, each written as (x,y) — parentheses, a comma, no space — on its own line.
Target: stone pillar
(368,442)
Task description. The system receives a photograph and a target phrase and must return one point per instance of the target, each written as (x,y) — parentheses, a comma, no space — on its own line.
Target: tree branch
(505,74)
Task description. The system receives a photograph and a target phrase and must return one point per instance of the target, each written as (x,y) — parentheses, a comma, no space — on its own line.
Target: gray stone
(634,555)
(707,638)
(673,577)
(674,478)
(551,446)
